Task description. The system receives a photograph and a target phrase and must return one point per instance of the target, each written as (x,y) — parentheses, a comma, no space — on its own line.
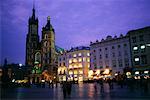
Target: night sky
(76,22)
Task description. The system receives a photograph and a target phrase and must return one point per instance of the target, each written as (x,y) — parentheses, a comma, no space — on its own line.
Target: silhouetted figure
(101,85)
(64,86)
(110,83)
(5,78)
(145,84)
(95,87)
(69,86)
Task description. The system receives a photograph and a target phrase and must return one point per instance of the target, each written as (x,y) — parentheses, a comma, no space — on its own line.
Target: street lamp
(20,65)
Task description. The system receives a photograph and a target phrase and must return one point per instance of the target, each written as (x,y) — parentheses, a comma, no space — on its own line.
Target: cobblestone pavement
(79,92)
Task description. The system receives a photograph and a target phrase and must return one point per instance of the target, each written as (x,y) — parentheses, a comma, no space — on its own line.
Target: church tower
(48,47)
(32,39)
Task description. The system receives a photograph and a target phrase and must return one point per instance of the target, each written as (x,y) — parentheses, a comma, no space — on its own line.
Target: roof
(79,48)
(59,49)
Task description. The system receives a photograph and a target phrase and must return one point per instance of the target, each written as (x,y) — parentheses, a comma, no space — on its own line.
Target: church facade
(41,55)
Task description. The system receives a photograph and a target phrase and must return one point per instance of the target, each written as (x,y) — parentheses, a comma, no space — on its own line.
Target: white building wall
(106,56)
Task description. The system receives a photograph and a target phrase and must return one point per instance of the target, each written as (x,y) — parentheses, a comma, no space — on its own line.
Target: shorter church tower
(48,47)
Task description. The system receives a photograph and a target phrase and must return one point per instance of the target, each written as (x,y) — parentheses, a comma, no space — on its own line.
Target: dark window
(113,54)
(100,56)
(105,48)
(63,64)
(141,38)
(119,46)
(59,59)
(106,55)
(93,50)
(120,62)
(119,53)
(100,50)
(64,58)
(134,39)
(143,59)
(125,45)
(113,47)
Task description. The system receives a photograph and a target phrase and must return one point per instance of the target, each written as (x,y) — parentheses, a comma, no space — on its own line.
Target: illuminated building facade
(111,53)
(74,64)
(140,50)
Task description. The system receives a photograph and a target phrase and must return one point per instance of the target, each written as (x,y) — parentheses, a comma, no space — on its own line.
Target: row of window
(141,38)
(113,55)
(114,63)
(84,59)
(135,48)
(74,55)
(113,47)
(79,55)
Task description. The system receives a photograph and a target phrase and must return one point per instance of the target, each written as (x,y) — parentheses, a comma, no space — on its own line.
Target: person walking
(95,87)
(101,85)
(64,87)
(69,86)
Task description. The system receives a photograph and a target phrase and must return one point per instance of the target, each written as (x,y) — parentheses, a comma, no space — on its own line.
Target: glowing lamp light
(43,80)
(97,72)
(20,65)
(90,72)
(116,74)
(13,80)
(106,71)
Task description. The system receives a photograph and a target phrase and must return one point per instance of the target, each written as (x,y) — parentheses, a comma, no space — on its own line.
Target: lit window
(75,72)
(70,61)
(80,72)
(148,45)
(75,66)
(74,55)
(88,65)
(136,59)
(146,72)
(79,54)
(135,48)
(84,59)
(142,46)
(88,54)
(80,65)
(70,66)
(80,59)
(70,72)
(74,60)
(136,72)
(88,59)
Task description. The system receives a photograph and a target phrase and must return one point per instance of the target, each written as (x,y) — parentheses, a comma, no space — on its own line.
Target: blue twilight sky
(76,22)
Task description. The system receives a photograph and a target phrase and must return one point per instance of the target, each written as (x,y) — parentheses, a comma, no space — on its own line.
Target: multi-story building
(111,53)
(140,49)
(74,64)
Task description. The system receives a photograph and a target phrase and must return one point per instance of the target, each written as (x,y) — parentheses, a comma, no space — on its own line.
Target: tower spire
(33,10)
